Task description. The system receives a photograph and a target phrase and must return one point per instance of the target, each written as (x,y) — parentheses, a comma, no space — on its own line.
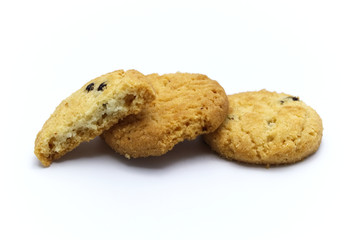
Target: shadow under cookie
(97,149)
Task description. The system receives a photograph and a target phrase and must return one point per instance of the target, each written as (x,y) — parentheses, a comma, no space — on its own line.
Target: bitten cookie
(267,128)
(186,106)
(95,107)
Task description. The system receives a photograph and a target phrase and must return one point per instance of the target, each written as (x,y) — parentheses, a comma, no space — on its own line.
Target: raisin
(89,87)
(102,86)
(295,98)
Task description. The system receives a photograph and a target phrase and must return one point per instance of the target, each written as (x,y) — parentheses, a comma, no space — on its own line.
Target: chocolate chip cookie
(267,128)
(95,107)
(186,105)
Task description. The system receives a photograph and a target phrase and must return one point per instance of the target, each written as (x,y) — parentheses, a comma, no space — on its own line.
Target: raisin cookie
(267,128)
(95,107)
(186,106)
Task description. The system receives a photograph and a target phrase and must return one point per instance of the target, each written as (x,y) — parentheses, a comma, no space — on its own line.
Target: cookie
(186,106)
(267,128)
(86,113)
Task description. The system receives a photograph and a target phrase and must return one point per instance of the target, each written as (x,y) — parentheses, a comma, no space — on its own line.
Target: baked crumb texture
(98,105)
(186,105)
(267,128)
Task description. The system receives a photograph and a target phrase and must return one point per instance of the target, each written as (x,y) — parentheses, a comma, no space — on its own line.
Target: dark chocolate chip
(289,98)
(102,86)
(89,87)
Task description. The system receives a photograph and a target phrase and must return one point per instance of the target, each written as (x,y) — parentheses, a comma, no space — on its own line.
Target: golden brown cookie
(267,128)
(95,107)
(186,106)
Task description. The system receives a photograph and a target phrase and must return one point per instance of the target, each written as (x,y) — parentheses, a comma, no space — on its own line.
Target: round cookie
(267,128)
(86,113)
(186,106)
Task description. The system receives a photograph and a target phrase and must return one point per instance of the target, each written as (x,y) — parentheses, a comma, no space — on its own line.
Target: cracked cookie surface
(186,106)
(95,107)
(267,128)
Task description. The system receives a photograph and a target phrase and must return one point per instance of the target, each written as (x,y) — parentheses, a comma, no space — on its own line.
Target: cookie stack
(147,115)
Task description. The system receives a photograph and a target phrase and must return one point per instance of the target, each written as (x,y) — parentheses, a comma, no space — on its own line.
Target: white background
(311,49)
